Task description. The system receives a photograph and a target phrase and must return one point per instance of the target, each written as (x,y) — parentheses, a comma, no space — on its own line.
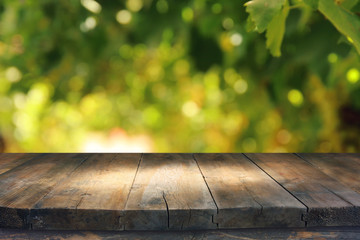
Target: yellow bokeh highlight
(190,109)
(39,93)
(295,97)
(91,5)
(13,74)
(134,5)
(124,17)
(240,86)
(89,24)
(151,116)
(187,14)
(353,75)
(332,58)
(225,42)
(181,67)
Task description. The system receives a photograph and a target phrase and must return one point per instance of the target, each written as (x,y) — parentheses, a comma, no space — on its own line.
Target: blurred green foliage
(175,76)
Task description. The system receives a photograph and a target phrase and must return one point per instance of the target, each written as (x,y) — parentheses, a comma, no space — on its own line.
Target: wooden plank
(169,193)
(10,160)
(344,167)
(24,185)
(93,197)
(246,196)
(329,202)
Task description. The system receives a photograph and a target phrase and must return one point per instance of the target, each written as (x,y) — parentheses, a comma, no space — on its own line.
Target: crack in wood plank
(254,199)
(132,184)
(167,209)
(211,194)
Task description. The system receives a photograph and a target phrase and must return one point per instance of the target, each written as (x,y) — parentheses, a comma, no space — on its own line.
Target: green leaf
(275,32)
(356,8)
(345,21)
(348,4)
(250,25)
(312,3)
(263,11)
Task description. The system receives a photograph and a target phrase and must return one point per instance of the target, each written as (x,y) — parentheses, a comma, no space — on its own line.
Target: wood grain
(329,202)
(246,196)
(169,193)
(345,168)
(10,160)
(173,191)
(24,185)
(93,197)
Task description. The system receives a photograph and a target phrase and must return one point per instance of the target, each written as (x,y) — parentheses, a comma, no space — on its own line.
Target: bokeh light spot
(190,109)
(13,74)
(228,23)
(240,86)
(332,58)
(134,5)
(39,93)
(295,97)
(19,99)
(236,39)
(89,24)
(353,75)
(216,8)
(126,51)
(124,17)
(151,116)
(91,5)
(181,67)
(230,76)
(187,14)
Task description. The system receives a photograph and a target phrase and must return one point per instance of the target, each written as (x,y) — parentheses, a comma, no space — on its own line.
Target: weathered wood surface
(242,234)
(344,167)
(246,196)
(93,197)
(177,192)
(10,160)
(24,185)
(169,193)
(329,202)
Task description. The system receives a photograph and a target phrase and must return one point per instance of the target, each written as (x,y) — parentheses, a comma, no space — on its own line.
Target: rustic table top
(134,191)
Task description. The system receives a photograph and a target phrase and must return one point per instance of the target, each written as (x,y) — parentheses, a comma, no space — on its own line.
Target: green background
(173,76)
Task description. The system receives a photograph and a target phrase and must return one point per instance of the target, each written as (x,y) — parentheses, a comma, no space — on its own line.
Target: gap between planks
(211,194)
(307,208)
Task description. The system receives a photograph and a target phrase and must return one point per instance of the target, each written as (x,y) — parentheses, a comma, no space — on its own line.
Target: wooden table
(178,191)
